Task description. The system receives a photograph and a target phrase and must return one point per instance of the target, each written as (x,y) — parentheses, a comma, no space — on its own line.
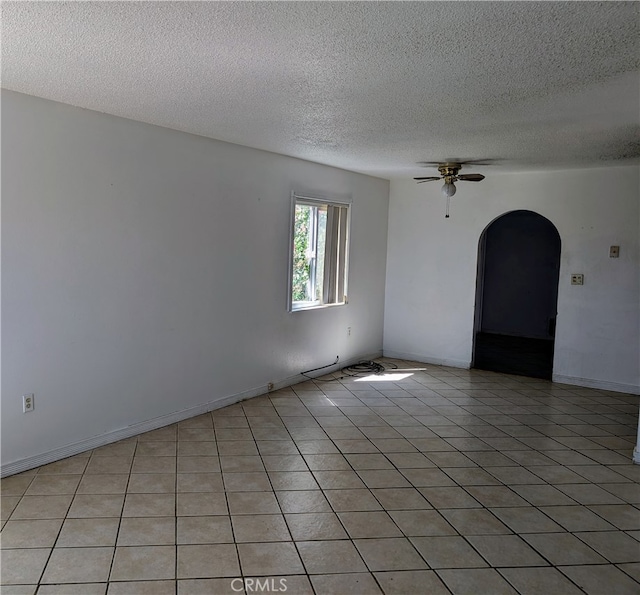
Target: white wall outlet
(614,252)
(27,403)
(270,386)
(577,279)
(348,331)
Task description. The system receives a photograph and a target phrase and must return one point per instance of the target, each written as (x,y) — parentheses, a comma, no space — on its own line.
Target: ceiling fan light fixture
(449,189)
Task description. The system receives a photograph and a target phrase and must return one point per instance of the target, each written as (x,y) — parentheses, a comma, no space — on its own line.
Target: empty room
(320,298)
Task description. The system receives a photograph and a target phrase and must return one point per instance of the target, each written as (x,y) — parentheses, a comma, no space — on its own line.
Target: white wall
(431,268)
(144,272)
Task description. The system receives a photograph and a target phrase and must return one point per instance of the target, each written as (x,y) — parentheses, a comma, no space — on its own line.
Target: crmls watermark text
(251,585)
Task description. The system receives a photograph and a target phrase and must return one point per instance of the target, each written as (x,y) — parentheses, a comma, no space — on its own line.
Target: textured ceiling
(367,86)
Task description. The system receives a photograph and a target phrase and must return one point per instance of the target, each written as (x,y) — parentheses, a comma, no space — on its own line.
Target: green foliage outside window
(301,279)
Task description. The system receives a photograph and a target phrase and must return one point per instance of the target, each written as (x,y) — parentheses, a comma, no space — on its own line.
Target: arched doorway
(517,295)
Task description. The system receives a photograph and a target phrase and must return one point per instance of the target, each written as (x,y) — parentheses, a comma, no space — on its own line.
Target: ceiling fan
(450,173)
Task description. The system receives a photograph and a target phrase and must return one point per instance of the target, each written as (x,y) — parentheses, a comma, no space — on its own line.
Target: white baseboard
(636,455)
(165,420)
(617,387)
(427,359)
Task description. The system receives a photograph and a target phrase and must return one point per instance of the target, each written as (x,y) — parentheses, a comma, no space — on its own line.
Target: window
(319,247)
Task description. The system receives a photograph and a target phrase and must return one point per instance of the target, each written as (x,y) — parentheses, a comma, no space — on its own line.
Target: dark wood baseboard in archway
(514,355)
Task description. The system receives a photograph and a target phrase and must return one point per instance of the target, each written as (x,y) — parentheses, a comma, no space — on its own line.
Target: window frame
(316,201)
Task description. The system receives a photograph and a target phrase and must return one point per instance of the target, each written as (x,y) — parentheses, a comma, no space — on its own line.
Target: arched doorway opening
(517,295)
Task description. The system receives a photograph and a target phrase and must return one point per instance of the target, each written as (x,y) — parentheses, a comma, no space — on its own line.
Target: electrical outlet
(348,331)
(270,386)
(577,279)
(27,403)
(614,252)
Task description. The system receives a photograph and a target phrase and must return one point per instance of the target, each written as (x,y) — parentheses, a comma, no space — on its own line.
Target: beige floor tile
(198,434)
(253,503)
(142,588)
(279,447)
(196,504)
(427,477)
(470,476)
(72,465)
(298,584)
(355,446)
(327,462)
(92,532)
(241,464)
(53,485)
(200,482)
(328,557)
(383,478)
(371,461)
(139,563)
(496,496)
(400,499)
(624,516)
(269,559)
(601,579)
(103,484)
(199,421)
(352,500)
(260,528)
(74,589)
(152,483)
(389,554)
(543,495)
(23,566)
(449,497)
(407,582)
(156,448)
(629,492)
(474,581)
(122,448)
(526,520)
(506,550)
(162,434)
(41,507)
(474,521)
(563,549)
(200,530)
(633,570)
(589,494)
(30,534)
(534,581)
(303,501)
(7,505)
(217,586)
(577,518)
(615,546)
(447,552)
(94,505)
(198,464)
(257,481)
(102,465)
(15,485)
(422,522)
(369,524)
(284,463)
(234,434)
(311,447)
(197,449)
(154,465)
(338,480)
(315,526)
(147,531)
(410,460)
(78,565)
(292,480)
(148,505)
(360,583)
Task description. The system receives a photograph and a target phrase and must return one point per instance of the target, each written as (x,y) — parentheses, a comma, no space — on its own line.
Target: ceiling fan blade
(429,179)
(471,177)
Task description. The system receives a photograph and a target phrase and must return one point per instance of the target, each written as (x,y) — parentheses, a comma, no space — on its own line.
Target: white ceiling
(367,86)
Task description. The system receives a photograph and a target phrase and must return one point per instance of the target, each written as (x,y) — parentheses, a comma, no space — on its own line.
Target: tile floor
(446,481)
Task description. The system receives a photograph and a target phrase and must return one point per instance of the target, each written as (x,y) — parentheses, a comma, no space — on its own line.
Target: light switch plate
(577,279)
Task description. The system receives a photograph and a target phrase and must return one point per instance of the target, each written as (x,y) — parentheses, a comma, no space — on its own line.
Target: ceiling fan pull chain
(447,215)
